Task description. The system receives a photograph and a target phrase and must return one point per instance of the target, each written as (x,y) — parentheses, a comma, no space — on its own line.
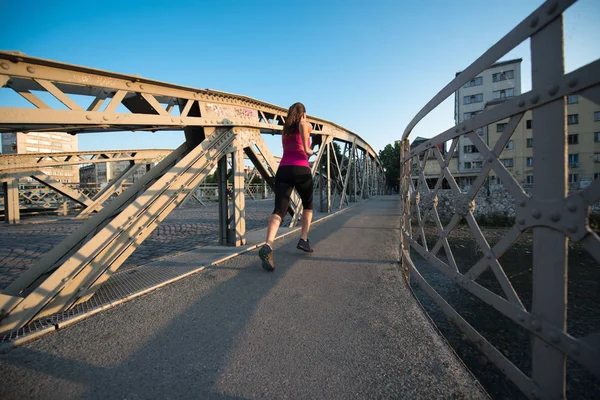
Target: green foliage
(390,160)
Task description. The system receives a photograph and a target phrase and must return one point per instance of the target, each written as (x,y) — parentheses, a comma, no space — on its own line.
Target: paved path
(338,323)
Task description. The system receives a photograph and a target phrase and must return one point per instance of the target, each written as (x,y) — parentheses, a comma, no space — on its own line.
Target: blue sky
(366,65)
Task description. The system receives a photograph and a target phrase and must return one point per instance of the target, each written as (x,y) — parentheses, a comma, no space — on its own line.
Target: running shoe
(304,245)
(266,255)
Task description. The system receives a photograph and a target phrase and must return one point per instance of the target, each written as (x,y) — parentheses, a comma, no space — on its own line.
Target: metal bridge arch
(554,215)
(221,129)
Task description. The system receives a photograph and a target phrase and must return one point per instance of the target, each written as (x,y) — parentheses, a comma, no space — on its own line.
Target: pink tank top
(293,151)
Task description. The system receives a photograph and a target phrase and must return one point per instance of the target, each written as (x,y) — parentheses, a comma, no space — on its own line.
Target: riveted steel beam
(14,163)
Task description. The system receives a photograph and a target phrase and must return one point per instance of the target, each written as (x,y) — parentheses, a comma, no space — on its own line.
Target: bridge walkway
(337,323)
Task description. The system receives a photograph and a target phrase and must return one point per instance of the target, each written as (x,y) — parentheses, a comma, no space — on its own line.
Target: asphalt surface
(337,323)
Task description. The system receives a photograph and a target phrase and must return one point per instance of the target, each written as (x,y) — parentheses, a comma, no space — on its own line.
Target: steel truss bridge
(221,130)
(554,216)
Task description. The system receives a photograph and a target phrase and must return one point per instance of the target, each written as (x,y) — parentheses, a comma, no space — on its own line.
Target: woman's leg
(283,191)
(306,220)
(272,228)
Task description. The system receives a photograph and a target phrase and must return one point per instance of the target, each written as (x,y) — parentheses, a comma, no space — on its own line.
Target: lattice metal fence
(554,215)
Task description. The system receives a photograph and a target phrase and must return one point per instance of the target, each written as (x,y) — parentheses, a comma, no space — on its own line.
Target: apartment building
(500,81)
(583,141)
(44,142)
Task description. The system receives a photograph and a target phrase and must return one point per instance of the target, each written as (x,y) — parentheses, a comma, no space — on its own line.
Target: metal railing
(553,214)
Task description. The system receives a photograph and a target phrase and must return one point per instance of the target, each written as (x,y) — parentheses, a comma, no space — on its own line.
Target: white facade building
(44,142)
(501,81)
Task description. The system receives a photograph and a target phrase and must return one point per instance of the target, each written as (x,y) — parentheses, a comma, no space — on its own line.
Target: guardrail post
(11,201)
(550,184)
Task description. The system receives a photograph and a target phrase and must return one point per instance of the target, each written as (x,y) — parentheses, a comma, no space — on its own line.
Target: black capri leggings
(287,178)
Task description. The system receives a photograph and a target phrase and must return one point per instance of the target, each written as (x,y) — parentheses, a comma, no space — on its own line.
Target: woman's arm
(305,129)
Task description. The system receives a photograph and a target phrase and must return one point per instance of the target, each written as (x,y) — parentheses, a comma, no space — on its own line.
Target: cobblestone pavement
(187,228)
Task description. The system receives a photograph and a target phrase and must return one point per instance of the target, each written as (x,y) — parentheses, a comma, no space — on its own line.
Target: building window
(470,149)
(530,142)
(509,145)
(469,115)
(475,82)
(502,76)
(507,162)
(597,157)
(596,175)
(476,98)
(574,160)
(596,115)
(503,94)
(572,119)
(480,131)
(528,124)
(500,127)
(573,178)
(467,165)
(573,138)
(477,164)
(530,161)
(596,137)
(573,99)
(529,179)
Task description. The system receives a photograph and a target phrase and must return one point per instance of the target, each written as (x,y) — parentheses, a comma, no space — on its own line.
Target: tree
(390,161)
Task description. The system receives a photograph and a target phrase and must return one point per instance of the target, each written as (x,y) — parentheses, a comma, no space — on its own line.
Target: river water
(512,340)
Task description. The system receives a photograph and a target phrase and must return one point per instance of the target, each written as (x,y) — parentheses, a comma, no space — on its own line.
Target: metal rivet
(572,228)
(572,82)
(572,207)
(105,118)
(553,90)
(464,128)
(535,99)
(490,159)
(489,256)
(172,119)
(554,337)
(534,22)
(181,120)
(555,216)
(128,84)
(5,66)
(31,70)
(535,394)
(521,317)
(521,103)
(522,203)
(552,8)
(88,117)
(141,86)
(535,324)
(195,95)
(456,130)
(536,214)
(522,221)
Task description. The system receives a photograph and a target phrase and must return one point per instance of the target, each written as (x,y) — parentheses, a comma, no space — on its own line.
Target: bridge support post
(237,226)
(405,169)
(549,174)
(223,201)
(11,201)
(328,178)
(232,205)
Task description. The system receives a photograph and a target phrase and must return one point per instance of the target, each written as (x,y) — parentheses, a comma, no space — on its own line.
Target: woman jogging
(293,172)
